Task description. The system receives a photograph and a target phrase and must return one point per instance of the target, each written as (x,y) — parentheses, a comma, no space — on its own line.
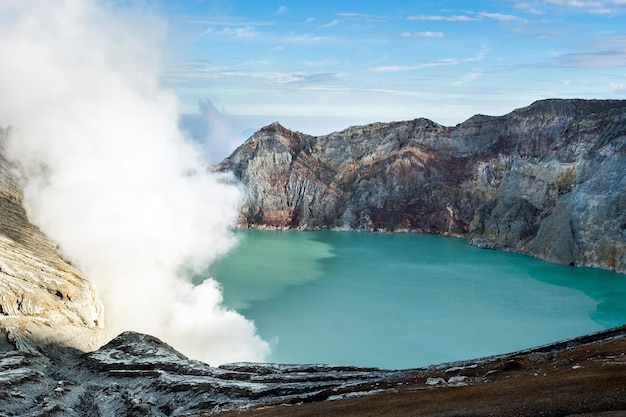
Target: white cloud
(235,32)
(363,16)
(281,10)
(455,18)
(423,34)
(472,17)
(199,70)
(437,63)
(321,63)
(529,7)
(335,22)
(471,76)
(500,17)
(607,7)
(353,14)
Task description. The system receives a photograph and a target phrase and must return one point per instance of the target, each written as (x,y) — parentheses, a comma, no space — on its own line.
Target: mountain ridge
(503,182)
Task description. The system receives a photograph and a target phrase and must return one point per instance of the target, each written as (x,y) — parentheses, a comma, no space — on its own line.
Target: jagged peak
(134,344)
(274,127)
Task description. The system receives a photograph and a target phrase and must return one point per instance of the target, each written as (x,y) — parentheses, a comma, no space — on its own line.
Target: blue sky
(319,66)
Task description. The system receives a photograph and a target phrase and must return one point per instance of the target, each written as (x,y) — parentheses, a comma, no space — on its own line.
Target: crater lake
(404,300)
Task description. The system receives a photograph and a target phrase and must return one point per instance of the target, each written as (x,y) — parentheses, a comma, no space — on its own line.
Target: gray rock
(139,375)
(545,180)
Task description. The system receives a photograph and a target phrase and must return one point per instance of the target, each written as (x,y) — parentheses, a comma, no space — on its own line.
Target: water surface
(401,301)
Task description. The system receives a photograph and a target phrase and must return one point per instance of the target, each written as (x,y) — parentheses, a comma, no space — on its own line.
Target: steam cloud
(111,178)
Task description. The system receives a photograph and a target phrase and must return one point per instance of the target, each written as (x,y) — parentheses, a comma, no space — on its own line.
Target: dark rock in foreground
(546,180)
(138,375)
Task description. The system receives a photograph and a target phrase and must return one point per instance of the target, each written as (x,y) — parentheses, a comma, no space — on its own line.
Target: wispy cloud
(235,33)
(608,7)
(357,90)
(470,17)
(249,33)
(453,18)
(588,3)
(321,63)
(602,53)
(353,14)
(228,22)
(472,75)
(281,10)
(529,7)
(423,34)
(364,16)
(437,63)
(335,22)
(500,17)
(302,38)
(203,70)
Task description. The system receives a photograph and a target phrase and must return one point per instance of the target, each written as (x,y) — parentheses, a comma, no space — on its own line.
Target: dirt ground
(582,377)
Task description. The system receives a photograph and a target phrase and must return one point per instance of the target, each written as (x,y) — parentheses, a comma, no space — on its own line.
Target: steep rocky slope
(546,180)
(43,298)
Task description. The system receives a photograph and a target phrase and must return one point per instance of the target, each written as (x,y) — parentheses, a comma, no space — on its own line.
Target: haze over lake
(400,301)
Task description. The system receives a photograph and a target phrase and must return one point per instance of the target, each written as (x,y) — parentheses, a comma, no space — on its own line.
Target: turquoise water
(402,301)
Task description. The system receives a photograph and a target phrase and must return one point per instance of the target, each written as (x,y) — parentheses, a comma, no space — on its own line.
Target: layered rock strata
(44,299)
(546,180)
(138,375)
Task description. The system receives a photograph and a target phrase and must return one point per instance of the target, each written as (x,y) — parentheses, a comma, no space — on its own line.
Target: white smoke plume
(221,138)
(111,178)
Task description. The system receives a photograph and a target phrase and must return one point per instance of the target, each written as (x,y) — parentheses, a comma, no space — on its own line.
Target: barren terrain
(581,377)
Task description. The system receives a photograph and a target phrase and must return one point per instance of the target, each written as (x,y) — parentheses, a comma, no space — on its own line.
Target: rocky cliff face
(43,298)
(546,180)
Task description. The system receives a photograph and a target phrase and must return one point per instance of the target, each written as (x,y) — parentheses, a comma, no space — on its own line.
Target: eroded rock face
(138,375)
(43,298)
(546,180)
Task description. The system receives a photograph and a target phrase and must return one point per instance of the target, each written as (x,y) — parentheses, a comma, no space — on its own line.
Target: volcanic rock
(44,299)
(546,180)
